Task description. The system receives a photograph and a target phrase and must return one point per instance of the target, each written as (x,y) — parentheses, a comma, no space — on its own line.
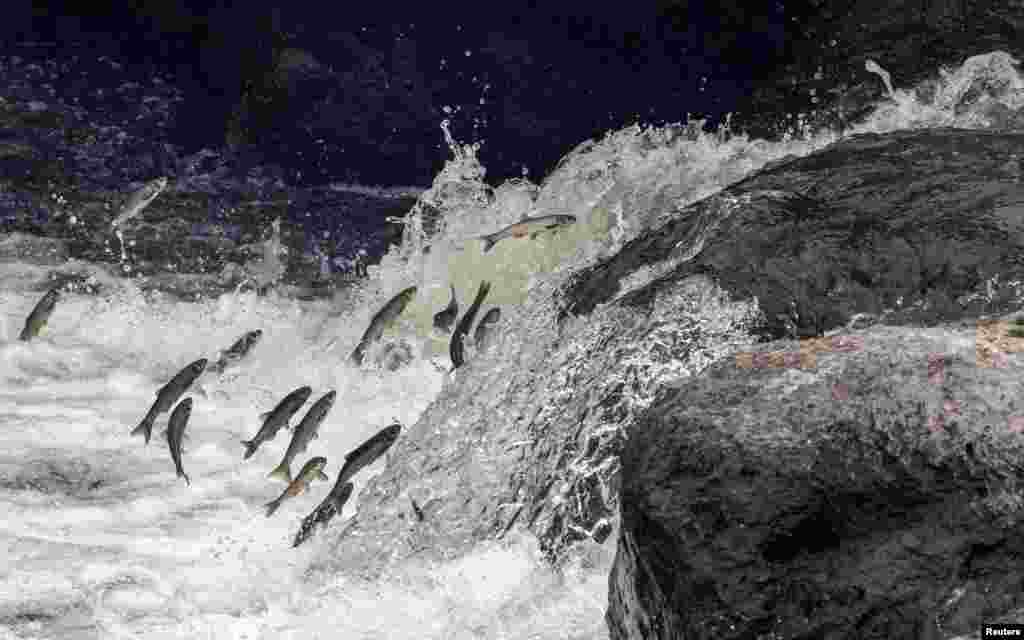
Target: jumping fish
(368,452)
(457,349)
(139,200)
(237,351)
(168,394)
(40,314)
(527,227)
(381,321)
(304,434)
(312,470)
(322,515)
(176,432)
(445,318)
(276,418)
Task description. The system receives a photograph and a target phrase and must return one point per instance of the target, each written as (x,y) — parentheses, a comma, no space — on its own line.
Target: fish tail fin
(250,448)
(145,428)
(282,471)
(303,533)
(272,506)
(488,243)
(182,474)
(357,355)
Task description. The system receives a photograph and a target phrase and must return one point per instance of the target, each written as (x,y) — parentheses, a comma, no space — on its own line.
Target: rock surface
(857,486)
(870,490)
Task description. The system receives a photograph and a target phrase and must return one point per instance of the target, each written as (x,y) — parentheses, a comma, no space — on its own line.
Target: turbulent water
(101,539)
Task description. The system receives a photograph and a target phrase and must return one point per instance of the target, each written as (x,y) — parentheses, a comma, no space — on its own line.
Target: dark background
(555,74)
(552,74)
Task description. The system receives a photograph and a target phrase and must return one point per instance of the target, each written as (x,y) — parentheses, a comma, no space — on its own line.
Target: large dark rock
(914,227)
(869,491)
(856,486)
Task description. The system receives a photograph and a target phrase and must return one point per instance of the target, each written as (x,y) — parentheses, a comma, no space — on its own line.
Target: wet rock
(755,502)
(815,250)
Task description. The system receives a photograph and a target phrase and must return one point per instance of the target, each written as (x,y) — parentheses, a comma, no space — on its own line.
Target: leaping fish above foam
(527,227)
(139,200)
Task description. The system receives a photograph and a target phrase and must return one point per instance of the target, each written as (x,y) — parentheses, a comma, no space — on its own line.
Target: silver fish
(276,418)
(304,434)
(237,351)
(168,394)
(368,452)
(176,432)
(312,470)
(381,321)
(40,314)
(139,200)
(457,349)
(527,227)
(332,505)
(445,318)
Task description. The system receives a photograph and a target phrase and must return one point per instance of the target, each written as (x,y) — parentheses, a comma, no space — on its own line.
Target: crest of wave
(627,181)
(985,92)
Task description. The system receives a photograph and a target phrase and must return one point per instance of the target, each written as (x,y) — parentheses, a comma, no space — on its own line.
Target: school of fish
(169,396)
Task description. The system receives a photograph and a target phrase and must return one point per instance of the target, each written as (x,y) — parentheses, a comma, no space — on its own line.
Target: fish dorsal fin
(264,415)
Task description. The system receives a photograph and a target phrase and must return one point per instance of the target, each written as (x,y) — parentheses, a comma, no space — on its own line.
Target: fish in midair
(360,457)
(322,515)
(485,328)
(457,349)
(237,351)
(168,394)
(312,470)
(527,227)
(445,318)
(368,452)
(37,319)
(276,418)
(139,200)
(305,432)
(176,432)
(381,321)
